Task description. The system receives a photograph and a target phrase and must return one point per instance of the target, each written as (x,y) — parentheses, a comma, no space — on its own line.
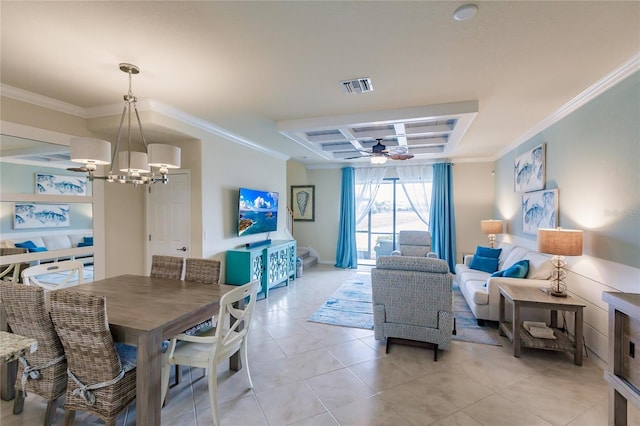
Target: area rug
(351,306)
(467,328)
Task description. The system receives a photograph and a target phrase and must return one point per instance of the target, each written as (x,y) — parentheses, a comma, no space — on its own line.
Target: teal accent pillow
(84,244)
(37,249)
(485,264)
(519,269)
(27,244)
(88,240)
(488,252)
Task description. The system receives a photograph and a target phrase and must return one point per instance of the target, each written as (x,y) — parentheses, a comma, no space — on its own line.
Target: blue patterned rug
(348,306)
(351,306)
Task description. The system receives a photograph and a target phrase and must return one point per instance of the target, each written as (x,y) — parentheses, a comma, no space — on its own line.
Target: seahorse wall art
(529,170)
(539,210)
(27,216)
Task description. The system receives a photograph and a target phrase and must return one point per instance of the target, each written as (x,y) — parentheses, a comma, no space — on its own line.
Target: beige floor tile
(324,419)
(290,403)
(498,411)
(455,386)
(492,375)
(380,374)
(339,387)
(272,374)
(457,419)
(266,350)
(242,411)
(353,352)
(298,344)
(372,411)
(416,402)
(315,362)
(327,335)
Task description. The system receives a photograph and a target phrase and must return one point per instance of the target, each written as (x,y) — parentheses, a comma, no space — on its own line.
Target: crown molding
(145,105)
(605,83)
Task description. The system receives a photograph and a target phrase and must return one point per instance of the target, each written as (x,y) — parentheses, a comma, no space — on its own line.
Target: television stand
(258,243)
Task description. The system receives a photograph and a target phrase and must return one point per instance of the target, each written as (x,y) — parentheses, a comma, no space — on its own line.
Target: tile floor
(309,374)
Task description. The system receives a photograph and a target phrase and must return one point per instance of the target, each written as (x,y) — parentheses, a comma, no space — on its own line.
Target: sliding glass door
(390,213)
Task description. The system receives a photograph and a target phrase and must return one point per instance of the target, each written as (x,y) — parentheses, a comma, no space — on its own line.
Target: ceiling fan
(380,151)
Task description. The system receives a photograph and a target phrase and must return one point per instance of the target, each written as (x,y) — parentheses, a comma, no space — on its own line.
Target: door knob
(182,249)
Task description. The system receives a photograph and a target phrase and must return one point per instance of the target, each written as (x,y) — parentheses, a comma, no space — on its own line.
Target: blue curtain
(346,252)
(443,224)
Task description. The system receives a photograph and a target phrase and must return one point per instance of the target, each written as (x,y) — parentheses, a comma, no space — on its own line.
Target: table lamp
(560,243)
(491,227)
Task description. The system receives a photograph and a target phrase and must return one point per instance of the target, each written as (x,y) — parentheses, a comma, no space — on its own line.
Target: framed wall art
(539,210)
(303,202)
(529,170)
(30,215)
(50,184)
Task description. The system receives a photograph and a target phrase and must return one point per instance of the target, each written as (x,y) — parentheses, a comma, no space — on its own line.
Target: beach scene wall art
(539,210)
(257,212)
(30,215)
(49,184)
(529,170)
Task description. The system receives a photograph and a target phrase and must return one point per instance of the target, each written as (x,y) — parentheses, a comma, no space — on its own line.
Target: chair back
(228,338)
(202,270)
(167,266)
(414,243)
(51,276)
(25,312)
(82,324)
(11,272)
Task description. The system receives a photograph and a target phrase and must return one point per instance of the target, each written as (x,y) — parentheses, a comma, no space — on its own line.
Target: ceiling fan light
(90,151)
(164,156)
(378,159)
(139,162)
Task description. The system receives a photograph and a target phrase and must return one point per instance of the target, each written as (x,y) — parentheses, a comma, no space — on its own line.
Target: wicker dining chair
(202,270)
(167,266)
(102,374)
(11,272)
(43,372)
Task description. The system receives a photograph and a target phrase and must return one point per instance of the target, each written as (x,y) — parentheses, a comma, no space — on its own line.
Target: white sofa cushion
(540,266)
(57,242)
(479,291)
(516,254)
(506,250)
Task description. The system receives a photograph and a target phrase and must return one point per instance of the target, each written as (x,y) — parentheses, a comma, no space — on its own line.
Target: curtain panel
(346,251)
(418,195)
(367,184)
(443,227)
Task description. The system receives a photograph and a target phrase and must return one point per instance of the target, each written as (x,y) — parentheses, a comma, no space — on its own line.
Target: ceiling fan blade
(77,169)
(400,156)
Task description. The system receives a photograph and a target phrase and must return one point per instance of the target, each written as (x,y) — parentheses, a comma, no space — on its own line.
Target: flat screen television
(257,211)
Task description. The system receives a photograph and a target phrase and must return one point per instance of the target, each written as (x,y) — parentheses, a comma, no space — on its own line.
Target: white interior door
(168,217)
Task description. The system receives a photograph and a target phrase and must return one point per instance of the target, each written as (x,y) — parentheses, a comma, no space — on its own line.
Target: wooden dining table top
(145,303)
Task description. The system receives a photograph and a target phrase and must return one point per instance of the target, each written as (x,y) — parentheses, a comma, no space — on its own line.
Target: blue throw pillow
(519,269)
(27,244)
(88,240)
(485,264)
(84,244)
(488,252)
(37,249)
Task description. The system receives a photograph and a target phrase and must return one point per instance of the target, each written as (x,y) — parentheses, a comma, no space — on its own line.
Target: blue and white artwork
(49,184)
(539,210)
(529,170)
(30,215)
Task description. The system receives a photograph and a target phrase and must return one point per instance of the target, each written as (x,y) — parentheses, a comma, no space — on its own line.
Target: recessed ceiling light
(465,12)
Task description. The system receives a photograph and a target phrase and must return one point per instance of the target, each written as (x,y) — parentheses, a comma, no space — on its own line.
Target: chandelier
(132,167)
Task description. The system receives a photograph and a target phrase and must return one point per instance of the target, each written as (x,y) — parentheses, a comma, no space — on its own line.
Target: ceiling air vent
(358,85)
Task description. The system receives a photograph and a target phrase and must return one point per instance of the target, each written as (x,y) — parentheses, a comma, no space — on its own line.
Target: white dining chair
(208,348)
(52,276)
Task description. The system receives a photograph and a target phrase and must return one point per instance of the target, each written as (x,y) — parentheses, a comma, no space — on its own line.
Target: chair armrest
(467,259)
(396,253)
(432,255)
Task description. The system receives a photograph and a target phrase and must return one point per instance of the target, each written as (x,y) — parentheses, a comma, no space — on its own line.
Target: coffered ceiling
(269,74)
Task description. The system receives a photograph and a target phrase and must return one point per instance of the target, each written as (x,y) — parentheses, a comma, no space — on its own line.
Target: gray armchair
(413,301)
(414,243)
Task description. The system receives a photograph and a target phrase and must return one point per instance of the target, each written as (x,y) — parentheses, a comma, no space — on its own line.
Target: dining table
(144,311)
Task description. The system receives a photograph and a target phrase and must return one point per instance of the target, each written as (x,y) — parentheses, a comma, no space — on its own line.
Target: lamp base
(558,294)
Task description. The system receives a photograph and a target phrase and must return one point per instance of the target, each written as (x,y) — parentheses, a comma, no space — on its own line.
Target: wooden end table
(533,297)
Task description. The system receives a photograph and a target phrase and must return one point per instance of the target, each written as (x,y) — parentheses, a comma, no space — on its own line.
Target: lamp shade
(162,155)
(562,242)
(491,226)
(139,162)
(90,150)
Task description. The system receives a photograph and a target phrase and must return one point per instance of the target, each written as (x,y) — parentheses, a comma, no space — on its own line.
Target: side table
(521,296)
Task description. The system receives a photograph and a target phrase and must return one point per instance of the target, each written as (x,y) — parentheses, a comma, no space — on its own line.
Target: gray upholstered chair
(413,301)
(414,243)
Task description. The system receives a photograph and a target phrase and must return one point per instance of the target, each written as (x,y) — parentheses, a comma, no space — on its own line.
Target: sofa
(54,242)
(412,301)
(481,291)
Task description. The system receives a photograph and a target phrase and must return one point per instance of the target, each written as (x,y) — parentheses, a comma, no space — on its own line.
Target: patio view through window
(390,213)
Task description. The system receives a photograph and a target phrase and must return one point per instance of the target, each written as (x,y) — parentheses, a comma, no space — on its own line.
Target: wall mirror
(44,202)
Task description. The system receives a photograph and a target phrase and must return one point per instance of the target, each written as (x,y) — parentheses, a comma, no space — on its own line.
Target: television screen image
(257,211)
